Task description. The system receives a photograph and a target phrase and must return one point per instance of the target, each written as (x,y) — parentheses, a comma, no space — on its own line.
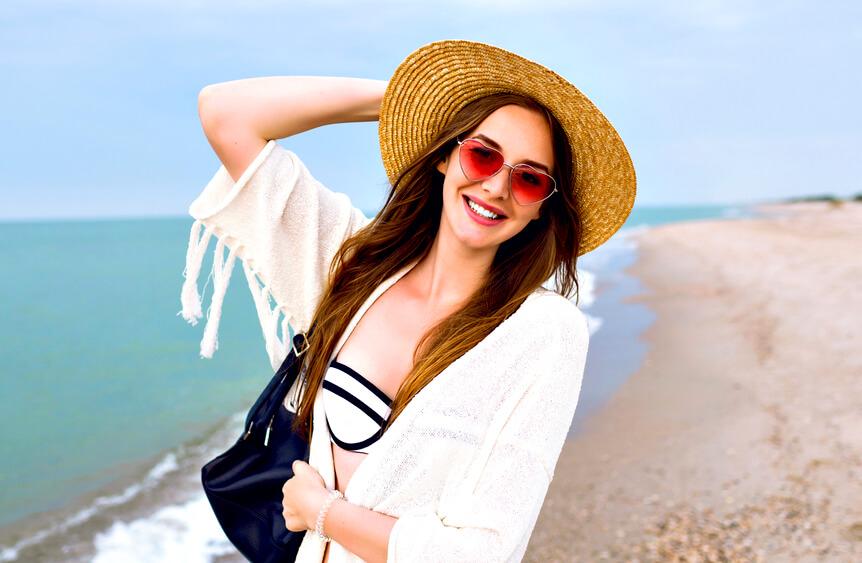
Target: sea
(108,411)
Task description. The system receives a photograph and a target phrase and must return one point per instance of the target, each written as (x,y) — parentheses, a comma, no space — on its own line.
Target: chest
(380,347)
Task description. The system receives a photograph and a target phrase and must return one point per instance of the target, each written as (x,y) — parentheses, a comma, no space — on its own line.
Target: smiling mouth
(468,201)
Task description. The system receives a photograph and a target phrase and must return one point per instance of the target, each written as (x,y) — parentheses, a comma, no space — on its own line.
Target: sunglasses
(527,185)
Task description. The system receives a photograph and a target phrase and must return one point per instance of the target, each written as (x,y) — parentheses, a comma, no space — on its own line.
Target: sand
(740,437)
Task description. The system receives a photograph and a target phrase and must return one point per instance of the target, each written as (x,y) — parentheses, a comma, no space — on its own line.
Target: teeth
(481,210)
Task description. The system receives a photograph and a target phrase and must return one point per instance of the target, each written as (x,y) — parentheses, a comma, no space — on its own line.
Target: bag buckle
(304,346)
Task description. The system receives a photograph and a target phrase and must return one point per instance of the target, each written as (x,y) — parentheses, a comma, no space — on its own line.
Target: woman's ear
(442,165)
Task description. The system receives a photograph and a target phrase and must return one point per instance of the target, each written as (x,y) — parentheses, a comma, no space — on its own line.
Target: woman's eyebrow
(497,146)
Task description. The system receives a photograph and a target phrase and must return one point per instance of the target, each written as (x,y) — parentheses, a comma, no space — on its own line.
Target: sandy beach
(740,437)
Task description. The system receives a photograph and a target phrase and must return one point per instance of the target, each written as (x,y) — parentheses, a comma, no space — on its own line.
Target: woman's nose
(497,185)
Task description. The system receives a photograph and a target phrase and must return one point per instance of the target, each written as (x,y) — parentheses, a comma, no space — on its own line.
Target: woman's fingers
(291,518)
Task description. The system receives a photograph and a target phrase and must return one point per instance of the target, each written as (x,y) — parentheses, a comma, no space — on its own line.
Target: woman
(445,374)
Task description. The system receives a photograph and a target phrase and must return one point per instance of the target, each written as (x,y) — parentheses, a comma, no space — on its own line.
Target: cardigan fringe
(268,316)
(222,268)
(189,296)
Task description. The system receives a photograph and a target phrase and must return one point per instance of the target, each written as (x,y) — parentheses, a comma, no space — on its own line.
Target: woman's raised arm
(264,206)
(239,116)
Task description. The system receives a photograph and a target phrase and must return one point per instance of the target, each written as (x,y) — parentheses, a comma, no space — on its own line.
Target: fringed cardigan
(467,464)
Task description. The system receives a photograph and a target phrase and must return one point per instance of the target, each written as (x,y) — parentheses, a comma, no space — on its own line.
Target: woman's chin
(477,240)
(472,235)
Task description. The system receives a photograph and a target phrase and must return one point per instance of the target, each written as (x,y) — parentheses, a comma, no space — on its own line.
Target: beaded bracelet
(321,516)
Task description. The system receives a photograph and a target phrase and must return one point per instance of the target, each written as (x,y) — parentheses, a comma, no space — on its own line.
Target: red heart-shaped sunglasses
(527,185)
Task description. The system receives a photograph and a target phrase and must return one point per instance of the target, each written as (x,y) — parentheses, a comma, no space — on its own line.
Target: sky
(718,102)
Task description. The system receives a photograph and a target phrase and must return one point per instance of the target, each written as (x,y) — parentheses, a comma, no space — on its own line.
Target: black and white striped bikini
(356,409)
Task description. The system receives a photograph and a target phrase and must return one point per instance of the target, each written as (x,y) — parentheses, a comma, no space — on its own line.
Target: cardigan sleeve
(493,518)
(284,226)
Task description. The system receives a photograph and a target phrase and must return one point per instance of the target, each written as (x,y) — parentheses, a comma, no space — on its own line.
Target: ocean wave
(187,532)
(165,529)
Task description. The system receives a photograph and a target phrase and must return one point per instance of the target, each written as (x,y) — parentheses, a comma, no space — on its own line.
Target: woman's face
(522,134)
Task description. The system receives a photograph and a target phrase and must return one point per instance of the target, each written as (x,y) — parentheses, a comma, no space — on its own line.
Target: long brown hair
(404,230)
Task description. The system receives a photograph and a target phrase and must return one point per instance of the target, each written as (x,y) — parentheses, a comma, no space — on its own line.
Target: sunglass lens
(479,161)
(530,186)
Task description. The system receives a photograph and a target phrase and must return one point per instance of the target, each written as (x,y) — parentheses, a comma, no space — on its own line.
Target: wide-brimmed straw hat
(438,79)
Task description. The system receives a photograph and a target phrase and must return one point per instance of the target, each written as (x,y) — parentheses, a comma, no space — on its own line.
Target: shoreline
(739,434)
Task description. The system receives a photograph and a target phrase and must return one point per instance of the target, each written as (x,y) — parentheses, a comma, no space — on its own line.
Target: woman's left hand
(303,495)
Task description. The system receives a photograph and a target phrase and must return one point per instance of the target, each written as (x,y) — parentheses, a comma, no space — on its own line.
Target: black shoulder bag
(244,484)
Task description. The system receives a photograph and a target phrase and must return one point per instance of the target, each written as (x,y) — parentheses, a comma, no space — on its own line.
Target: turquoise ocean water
(108,410)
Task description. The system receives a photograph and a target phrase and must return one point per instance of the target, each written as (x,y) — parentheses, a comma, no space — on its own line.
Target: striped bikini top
(356,409)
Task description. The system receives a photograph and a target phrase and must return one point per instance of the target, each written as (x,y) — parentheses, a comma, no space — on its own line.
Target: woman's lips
(478,218)
(485,205)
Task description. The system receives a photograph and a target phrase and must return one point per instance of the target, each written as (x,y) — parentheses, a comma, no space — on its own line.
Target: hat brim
(434,82)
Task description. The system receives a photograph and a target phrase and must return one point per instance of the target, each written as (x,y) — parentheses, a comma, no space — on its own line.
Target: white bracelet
(321,516)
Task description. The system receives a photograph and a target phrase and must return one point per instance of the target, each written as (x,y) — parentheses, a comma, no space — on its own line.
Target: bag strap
(266,407)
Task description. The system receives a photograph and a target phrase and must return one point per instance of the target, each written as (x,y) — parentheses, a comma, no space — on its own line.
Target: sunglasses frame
(511,169)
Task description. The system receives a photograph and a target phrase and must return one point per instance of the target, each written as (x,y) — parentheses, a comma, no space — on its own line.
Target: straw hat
(438,79)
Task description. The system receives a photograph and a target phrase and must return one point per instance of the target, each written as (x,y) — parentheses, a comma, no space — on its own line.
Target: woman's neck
(448,275)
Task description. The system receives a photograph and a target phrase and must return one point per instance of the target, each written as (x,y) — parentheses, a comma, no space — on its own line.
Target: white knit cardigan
(466,466)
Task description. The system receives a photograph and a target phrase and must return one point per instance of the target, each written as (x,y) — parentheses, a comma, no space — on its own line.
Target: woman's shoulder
(545,306)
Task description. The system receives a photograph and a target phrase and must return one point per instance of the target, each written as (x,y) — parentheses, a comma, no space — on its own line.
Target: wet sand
(740,437)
